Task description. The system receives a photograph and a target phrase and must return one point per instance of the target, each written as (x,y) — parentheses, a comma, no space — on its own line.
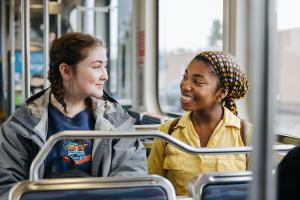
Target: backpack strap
(172,126)
(243,131)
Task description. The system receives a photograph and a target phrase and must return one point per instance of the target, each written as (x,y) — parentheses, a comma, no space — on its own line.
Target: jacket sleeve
(14,159)
(129,158)
(128,155)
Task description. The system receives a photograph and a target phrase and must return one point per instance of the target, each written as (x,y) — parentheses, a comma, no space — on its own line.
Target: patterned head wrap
(230,74)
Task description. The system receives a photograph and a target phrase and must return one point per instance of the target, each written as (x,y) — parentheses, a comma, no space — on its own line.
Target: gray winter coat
(25,132)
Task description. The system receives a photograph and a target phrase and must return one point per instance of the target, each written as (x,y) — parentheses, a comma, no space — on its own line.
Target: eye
(198,82)
(98,67)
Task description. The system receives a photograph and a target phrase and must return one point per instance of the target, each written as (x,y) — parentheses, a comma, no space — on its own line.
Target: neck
(212,116)
(74,106)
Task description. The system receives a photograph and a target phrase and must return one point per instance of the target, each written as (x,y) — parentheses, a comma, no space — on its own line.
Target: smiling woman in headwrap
(230,75)
(211,82)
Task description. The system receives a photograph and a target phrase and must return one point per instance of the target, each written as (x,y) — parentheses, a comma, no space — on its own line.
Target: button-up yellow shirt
(179,167)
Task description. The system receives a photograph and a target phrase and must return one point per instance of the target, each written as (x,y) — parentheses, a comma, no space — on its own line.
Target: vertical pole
(4,56)
(59,20)
(46,42)
(25,26)
(262,63)
(12,55)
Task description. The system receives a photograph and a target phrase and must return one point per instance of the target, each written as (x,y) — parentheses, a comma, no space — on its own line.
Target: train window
(121,51)
(90,17)
(288,30)
(184,30)
(111,21)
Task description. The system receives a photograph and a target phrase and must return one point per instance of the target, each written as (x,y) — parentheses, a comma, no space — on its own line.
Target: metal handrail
(147,127)
(133,134)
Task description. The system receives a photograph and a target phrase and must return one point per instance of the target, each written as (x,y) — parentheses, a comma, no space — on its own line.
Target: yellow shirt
(179,167)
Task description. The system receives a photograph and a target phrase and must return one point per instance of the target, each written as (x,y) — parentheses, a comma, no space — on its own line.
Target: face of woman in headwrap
(230,75)
(200,88)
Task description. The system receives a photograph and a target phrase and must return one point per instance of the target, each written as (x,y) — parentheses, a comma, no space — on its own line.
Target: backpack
(242,132)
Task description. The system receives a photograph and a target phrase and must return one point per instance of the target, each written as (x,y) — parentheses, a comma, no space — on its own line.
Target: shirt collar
(229,119)
(184,119)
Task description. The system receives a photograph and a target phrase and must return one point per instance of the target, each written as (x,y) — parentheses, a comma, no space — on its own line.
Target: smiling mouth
(185,98)
(99,86)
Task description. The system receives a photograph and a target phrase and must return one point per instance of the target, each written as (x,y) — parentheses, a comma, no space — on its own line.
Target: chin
(186,108)
(98,95)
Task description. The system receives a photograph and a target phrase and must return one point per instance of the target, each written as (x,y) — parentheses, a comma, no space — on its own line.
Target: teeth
(186,98)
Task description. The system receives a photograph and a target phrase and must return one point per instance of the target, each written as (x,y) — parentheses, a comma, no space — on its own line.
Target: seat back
(226,192)
(109,188)
(136,116)
(221,186)
(150,118)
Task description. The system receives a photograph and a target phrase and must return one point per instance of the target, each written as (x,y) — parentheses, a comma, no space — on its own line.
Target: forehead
(95,53)
(198,67)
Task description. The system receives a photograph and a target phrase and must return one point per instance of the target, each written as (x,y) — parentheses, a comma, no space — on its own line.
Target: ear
(65,71)
(222,93)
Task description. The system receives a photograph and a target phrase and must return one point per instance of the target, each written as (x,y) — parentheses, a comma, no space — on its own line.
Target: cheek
(88,77)
(84,82)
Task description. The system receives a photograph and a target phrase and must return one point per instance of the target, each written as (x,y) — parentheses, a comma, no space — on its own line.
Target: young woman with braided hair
(74,101)
(211,82)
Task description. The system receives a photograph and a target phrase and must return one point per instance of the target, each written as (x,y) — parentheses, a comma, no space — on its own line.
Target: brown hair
(71,48)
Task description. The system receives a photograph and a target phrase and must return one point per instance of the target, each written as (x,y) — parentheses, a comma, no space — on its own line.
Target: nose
(104,75)
(185,86)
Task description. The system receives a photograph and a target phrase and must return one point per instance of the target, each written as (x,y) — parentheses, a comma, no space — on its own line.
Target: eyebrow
(100,61)
(196,75)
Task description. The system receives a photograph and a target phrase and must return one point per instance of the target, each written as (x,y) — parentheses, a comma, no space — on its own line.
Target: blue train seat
(148,118)
(108,188)
(136,116)
(221,186)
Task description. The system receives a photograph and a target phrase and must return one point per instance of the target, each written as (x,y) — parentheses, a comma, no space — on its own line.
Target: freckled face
(91,74)
(198,87)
